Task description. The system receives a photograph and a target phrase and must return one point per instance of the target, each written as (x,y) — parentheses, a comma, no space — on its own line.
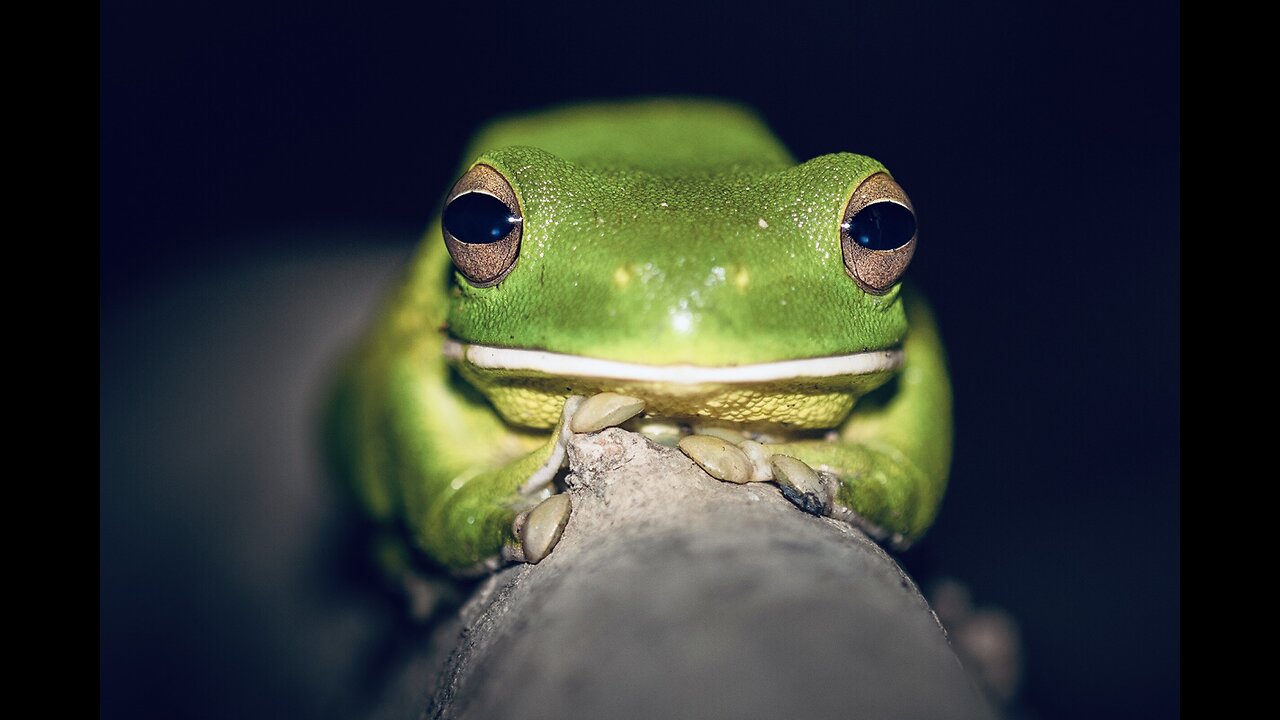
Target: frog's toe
(540,529)
(720,458)
(803,485)
(759,455)
(604,410)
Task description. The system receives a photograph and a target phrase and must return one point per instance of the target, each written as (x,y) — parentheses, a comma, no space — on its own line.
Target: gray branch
(673,595)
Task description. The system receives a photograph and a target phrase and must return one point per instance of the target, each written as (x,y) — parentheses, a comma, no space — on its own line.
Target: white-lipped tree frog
(668,266)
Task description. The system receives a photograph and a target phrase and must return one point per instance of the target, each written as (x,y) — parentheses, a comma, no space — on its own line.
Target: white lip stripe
(500,358)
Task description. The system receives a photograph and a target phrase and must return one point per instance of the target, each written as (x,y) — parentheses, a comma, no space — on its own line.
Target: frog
(664,266)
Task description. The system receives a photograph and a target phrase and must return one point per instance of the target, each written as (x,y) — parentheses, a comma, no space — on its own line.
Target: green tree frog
(663,265)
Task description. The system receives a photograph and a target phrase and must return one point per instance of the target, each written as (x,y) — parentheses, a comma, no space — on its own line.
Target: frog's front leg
(538,530)
(886,469)
(512,508)
(480,516)
(871,486)
(891,458)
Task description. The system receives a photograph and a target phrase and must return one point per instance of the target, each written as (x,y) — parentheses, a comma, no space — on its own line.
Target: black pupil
(478,218)
(882,226)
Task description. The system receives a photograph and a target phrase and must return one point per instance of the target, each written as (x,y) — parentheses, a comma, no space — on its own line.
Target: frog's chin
(521,361)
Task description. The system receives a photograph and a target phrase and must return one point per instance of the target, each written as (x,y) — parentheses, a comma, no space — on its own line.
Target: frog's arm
(893,454)
(409,439)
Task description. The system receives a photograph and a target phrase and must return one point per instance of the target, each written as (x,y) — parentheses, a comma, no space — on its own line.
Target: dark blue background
(1039,141)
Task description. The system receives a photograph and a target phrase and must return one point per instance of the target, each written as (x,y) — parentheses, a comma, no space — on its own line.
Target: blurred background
(267,167)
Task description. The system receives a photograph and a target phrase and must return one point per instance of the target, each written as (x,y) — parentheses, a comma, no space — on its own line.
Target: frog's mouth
(542,362)
(530,387)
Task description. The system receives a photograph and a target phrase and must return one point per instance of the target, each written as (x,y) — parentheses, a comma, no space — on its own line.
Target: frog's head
(748,294)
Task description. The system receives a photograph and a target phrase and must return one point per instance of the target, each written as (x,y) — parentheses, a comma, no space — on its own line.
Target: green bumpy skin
(660,233)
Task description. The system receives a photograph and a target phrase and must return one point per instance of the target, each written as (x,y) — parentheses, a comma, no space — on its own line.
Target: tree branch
(673,595)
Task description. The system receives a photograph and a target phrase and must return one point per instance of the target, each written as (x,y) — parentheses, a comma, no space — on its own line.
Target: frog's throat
(560,364)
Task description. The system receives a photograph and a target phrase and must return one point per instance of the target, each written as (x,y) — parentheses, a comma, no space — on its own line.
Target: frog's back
(664,136)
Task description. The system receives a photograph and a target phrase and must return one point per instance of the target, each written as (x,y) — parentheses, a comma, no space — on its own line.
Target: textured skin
(655,232)
(699,280)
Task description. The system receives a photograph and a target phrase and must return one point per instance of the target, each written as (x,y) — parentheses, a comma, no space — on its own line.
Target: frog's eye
(482,226)
(878,233)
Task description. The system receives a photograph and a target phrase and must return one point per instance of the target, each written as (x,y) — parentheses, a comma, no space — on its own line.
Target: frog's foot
(738,460)
(540,529)
(536,539)
(537,530)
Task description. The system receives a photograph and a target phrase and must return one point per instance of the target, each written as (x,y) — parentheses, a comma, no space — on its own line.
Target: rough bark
(673,595)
